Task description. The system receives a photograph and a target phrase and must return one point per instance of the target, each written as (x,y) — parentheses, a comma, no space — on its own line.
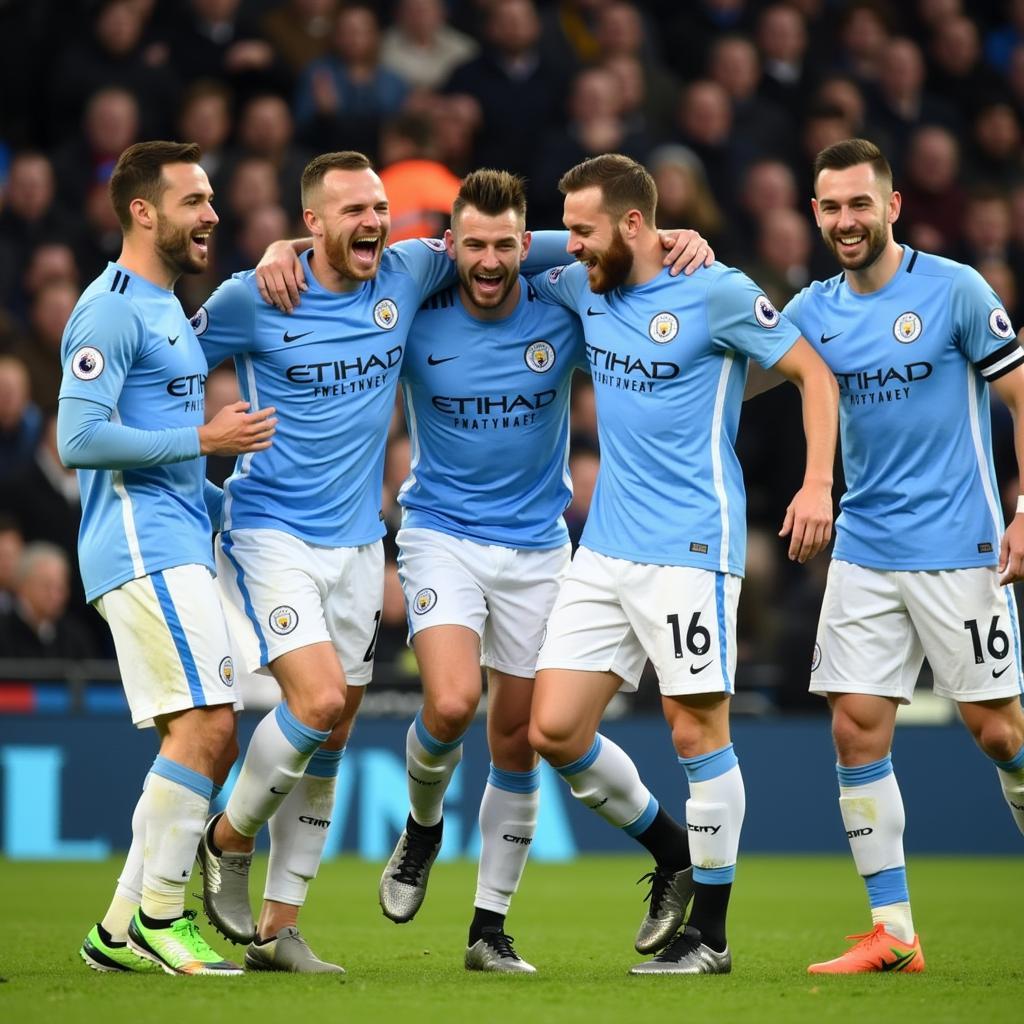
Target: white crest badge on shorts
(816,658)
(87,363)
(907,328)
(283,619)
(226,671)
(434,244)
(999,323)
(663,328)
(765,313)
(200,321)
(539,356)
(424,600)
(385,314)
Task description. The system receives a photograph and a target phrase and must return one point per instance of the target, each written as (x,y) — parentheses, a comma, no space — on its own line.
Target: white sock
(128,894)
(174,807)
(298,830)
(714,814)
(430,765)
(872,810)
(1011,779)
(508,820)
(606,780)
(275,760)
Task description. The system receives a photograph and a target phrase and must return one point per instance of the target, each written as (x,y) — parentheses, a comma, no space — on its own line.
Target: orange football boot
(875,951)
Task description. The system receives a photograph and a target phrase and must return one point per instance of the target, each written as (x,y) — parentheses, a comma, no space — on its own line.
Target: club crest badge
(283,619)
(907,328)
(385,314)
(424,600)
(663,328)
(226,671)
(539,356)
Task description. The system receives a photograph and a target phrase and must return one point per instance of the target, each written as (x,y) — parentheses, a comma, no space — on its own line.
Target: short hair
(138,174)
(850,153)
(624,184)
(316,170)
(36,552)
(491,192)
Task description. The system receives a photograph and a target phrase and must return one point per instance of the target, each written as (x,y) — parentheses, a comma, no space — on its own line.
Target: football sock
(128,893)
(276,759)
(484,919)
(508,820)
(430,764)
(174,805)
(714,819)
(872,810)
(1011,778)
(298,830)
(666,839)
(606,780)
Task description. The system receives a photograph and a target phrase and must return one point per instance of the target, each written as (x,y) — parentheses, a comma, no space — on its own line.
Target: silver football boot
(226,888)
(669,897)
(687,954)
(403,885)
(287,951)
(494,952)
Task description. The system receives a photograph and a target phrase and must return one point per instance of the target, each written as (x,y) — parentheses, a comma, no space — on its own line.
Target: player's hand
(234,430)
(808,522)
(280,277)
(687,250)
(1011,552)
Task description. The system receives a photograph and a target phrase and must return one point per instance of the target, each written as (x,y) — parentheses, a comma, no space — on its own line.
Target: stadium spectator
(12,543)
(864,33)
(48,316)
(782,263)
(262,226)
(987,232)
(204,117)
(933,198)
(1002,40)
(767,185)
(515,88)
(958,73)
(37,625)
(21,421)
(688,30)
(704,119)
(48,262)
(421,48)
(684,197)
(344,94)
(419,187)
(996,157)
(300,30)
(788,77)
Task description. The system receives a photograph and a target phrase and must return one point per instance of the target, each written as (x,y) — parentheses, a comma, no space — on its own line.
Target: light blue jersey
(912,361)
(330,369)
(128,347)
(487,404)
(669,363)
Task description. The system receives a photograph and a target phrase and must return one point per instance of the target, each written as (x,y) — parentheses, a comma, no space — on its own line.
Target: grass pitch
(574,922)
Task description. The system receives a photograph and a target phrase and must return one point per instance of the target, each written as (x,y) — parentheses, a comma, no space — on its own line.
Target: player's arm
(213,498)
(87,439)
(280,276)
(1010,388)
(761,379)
(808,521)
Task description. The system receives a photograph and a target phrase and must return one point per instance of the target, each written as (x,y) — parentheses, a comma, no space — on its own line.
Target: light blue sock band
(643,823)
(715,876)
(304,738)
(428,742)
(889,886)
(174,772)
(709,766)
(1014,765)
(864,773)
(575,767)
(325,764)
(515,782)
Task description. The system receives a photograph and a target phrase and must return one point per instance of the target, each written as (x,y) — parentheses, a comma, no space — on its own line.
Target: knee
(852,739)
(323,709)
(1000,739)
(688,738)
(220,736)
(449,716)
(555,745)
(512,751)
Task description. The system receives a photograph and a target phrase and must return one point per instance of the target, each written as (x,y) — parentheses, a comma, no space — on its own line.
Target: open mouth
(201,240)
(488,284)
(846,242)
(365,249)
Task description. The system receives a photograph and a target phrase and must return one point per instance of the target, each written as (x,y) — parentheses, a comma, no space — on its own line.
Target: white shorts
(172,642)
(282,593)
(876,628)
(503,594)
(612,615)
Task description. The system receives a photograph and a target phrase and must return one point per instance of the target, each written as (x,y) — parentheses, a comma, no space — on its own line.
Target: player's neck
(647,259)
(880,273)
(504,309)
(326,276)
(145,262)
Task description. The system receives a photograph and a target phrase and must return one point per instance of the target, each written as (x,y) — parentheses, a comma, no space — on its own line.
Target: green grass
(574,922)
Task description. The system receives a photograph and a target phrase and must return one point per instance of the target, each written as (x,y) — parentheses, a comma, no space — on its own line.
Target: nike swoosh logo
(279,792)
(437,362)
(826,338)
(595,312)
(600,803)
(286,337)
(694,671)
(903,958)
(997,673)
(174,339)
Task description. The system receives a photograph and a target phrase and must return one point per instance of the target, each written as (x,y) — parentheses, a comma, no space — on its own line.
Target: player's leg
(998,728)
(440,577)
(686,618)
(867,658)
(508,821)
(174,653)
(591,652)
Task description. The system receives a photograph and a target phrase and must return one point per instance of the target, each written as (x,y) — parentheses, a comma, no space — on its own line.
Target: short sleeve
(101,342)
(982,328)
(742,317)
(426,260)
(561,285)
(225,324)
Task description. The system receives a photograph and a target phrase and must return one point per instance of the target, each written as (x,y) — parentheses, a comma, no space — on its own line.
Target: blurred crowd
(726,101)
